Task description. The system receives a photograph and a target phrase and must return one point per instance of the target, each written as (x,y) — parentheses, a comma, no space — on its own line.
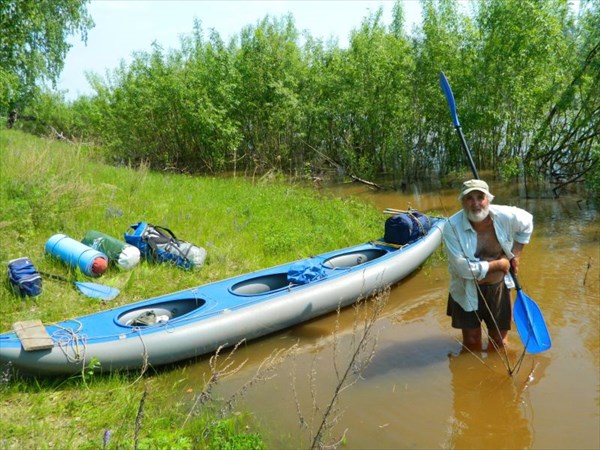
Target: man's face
(476,206)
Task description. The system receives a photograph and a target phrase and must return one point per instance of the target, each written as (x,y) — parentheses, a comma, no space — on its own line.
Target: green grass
(49,187)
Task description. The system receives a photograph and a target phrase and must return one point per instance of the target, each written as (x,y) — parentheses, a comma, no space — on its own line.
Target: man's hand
(500,265)
(515,264)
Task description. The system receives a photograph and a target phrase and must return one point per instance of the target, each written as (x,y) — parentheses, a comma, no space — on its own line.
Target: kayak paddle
(526,313)
(92,290)
(530,322)
(450,98)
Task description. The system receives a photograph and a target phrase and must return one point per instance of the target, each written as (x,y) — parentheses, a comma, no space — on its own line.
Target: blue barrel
(75,254)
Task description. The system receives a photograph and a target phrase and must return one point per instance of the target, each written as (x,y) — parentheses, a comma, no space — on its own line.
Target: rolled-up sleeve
(522,226)
(464,266)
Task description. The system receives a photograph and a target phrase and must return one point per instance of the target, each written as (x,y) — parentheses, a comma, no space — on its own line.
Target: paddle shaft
(394,211)
(92,290)
(514,277)
(467,151)
(54,277)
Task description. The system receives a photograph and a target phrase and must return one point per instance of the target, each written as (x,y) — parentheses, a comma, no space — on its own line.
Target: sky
(123,27)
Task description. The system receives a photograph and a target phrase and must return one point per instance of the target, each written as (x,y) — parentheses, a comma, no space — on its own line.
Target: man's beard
(478,216)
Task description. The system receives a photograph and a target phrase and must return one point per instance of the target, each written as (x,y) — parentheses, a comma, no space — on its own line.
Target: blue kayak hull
(197,321)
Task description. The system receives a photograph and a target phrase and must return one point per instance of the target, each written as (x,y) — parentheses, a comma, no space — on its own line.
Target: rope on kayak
(411,212)
(145,364)
(70,339)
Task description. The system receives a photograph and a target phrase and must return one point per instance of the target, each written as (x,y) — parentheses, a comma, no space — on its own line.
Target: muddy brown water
(417,392)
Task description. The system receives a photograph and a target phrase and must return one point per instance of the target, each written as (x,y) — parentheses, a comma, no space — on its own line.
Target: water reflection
(489,407)
(409,355)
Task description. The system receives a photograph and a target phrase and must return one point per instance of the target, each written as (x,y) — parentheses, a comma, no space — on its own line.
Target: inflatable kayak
(197,321)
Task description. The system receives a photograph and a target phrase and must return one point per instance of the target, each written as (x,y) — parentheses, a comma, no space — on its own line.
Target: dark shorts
(497,297)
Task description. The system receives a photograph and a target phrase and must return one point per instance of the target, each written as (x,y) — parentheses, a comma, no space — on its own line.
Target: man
(482,241)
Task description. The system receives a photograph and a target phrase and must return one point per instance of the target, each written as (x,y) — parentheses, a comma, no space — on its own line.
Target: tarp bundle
(125,256)
(305,271)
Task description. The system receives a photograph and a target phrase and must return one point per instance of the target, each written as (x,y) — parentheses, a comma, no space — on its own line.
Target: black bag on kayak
(159,244)
(23,278)
(405,228)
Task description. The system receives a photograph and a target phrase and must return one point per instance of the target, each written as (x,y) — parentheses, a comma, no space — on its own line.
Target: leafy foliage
(525,75)
(33,45)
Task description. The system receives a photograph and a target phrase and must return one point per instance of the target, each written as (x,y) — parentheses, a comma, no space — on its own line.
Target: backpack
(159,244)
(405,228)
(23,278)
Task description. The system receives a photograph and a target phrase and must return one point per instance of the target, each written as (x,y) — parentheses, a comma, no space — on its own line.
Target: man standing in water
(482,241)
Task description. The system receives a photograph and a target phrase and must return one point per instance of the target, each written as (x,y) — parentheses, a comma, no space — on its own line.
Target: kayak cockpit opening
(355,258)
(159,312)
(261,285)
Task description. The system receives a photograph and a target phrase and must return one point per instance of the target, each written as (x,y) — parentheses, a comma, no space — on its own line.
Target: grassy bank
(48,187)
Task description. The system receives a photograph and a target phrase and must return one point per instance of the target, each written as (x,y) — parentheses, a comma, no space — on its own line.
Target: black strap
(155,234)
(168,237)
(158,228)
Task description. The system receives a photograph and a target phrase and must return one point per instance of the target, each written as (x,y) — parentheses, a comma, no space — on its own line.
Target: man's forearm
(517,248)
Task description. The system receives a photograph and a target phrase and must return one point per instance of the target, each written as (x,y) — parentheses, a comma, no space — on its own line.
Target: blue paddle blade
(95,290)
(450,98)
(530,324)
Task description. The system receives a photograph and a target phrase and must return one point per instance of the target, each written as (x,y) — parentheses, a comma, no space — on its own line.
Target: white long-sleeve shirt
(460,241)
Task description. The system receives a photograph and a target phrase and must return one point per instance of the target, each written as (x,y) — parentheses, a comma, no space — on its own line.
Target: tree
(566,147)
(522,60)
(33,45)
(374,103)
(446,42)
(269,66)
